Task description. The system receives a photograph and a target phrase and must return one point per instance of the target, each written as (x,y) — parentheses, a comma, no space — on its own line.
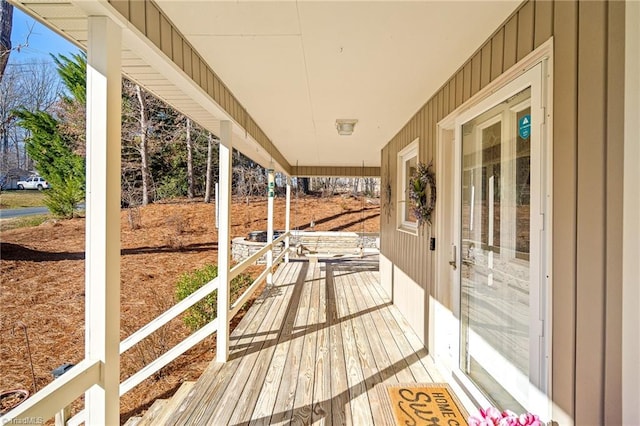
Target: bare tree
(326,185)
(33,86)
(208,182)
(304,185)
(6,23)
(9,100)
(355,186)
(143,148)
(39,84)
(189,159)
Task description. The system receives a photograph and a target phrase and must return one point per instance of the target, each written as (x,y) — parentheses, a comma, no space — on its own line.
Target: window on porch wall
(407,165)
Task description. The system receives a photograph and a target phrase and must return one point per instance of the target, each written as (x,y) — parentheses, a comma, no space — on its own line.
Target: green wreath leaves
(422,193)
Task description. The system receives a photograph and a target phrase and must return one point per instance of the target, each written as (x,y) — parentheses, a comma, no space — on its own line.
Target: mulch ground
(42,285)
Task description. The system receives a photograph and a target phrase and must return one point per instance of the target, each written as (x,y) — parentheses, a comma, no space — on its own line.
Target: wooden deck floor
(310,350)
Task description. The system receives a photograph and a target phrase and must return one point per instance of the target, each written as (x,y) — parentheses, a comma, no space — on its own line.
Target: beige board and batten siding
(588,105)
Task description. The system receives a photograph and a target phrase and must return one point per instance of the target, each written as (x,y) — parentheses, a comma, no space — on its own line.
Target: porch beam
(224,243)
(339,171)
(270,195)
(102,264)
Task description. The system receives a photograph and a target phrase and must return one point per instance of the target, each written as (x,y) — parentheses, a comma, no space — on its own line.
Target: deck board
(284,403)
(340,409)
(243,362)
(321,410)
(358,398)
(306,376)
(253,366)
(275,373)
(363,328)
(310,351)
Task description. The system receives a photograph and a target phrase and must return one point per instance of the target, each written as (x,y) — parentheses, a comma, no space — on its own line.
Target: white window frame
(406,154)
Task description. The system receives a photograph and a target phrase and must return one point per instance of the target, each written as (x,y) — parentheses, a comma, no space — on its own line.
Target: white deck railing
(49,400)
(63,391)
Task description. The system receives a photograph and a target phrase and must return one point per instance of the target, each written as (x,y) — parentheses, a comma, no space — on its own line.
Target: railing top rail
(59,393)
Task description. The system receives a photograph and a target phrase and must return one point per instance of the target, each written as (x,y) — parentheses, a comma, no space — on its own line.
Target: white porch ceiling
(297,66)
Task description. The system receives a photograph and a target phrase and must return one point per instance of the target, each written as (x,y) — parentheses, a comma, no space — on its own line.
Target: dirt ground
(42,285)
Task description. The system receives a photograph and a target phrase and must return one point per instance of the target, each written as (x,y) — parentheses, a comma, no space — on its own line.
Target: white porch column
(102,264)
(287,220)
(224,243)
(270,194)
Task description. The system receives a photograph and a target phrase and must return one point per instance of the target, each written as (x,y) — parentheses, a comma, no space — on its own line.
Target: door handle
(468,262)
(453,261)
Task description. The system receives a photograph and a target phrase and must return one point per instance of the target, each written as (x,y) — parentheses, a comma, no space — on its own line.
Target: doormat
(421,404)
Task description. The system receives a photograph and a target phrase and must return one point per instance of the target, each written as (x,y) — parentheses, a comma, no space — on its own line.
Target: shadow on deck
(310,350)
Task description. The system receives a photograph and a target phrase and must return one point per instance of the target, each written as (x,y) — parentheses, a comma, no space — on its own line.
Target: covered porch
(275,81)
(311,350)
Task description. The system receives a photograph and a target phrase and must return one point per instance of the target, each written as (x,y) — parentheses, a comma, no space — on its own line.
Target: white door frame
(510,82)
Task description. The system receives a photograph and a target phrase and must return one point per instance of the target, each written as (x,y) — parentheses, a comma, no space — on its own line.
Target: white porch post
(224,245)
(270,194)
(287,220)
(102,264)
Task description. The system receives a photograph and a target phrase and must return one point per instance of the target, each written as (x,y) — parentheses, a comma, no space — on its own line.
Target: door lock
(453,261)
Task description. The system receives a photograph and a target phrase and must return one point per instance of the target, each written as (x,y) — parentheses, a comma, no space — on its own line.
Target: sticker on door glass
(524,126)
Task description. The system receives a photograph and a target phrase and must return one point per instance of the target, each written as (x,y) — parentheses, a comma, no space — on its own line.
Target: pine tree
(55,161)
(54,147)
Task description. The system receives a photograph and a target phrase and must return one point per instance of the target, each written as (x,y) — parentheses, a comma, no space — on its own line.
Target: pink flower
(529,419)
(489,417)
(492,417)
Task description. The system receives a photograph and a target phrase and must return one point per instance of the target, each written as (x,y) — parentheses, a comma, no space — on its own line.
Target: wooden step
(174,403)
(153,412)
(191,399)
(133,421)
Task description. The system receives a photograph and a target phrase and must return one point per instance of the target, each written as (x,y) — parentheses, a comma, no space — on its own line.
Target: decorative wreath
(422,193)
(387,198)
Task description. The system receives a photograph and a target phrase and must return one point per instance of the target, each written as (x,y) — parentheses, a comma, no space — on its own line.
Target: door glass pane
(495,251)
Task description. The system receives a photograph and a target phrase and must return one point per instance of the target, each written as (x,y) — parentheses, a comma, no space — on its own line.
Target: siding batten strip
(565,148)
(485,71)
(614,202)
(543,21)
(525,30)
(591,213)
(497,54)
(510,42)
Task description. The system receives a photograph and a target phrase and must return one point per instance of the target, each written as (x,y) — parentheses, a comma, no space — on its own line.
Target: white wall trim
(408,152)
(631,221)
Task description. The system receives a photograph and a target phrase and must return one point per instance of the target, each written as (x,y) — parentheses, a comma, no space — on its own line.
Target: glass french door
(501,342)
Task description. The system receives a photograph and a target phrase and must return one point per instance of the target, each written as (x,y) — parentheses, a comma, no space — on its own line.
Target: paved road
(25,211)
